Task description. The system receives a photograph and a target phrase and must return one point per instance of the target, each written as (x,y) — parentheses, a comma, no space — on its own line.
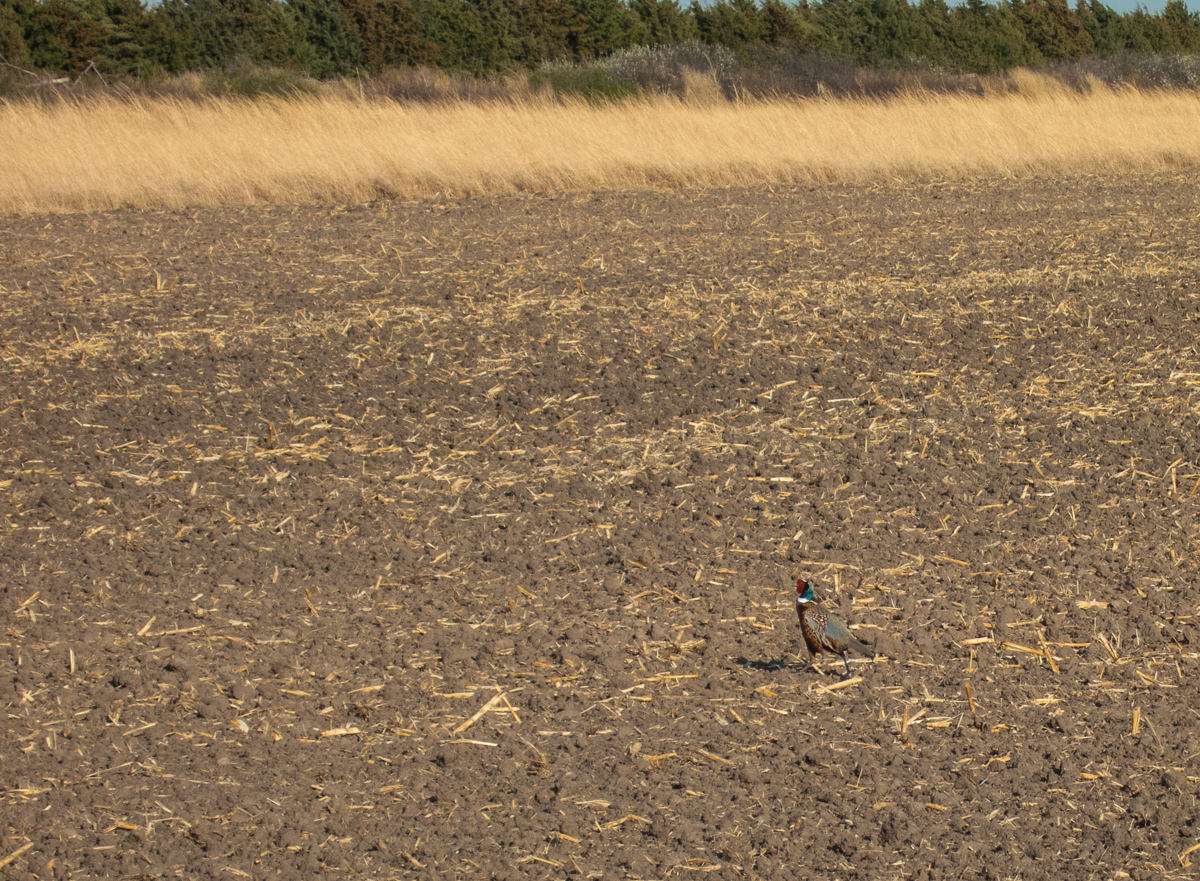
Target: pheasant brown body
(824,632)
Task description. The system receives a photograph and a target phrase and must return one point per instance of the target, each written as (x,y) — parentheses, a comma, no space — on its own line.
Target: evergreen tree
(783,25)
(389,33)
(325,42)
(1182,27)
(495,35)
(222,31)
(936,23)
(331,37)
(539,31)
(876,32)
(1145,32)
(988,38)
(1104,27)
(453,32)
(600,27)
(60,38)
(735,24)
(1052,29)
(13,14)
(175,49)
(128,36)
(662,23)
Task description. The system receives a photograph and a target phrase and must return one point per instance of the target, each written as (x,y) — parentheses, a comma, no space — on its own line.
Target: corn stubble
(166,152)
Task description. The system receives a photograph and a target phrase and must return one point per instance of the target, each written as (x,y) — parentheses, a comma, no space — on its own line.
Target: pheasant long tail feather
(863,648)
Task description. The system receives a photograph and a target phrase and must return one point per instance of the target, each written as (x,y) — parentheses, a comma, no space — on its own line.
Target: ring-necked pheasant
(824,632)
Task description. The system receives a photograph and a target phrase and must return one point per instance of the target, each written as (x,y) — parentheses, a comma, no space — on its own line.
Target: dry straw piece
(164,152)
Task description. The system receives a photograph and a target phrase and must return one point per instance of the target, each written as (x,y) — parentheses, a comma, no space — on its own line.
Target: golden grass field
(154,152)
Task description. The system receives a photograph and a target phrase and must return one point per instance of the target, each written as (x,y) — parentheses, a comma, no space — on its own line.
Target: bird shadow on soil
(767,666)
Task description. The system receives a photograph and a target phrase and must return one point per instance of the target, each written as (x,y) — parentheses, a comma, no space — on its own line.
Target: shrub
(663,69)
(588,81)
(245,79)
(1142,71)
(428,85)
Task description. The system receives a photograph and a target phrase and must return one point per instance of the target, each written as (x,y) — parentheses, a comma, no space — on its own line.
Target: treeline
(326,38)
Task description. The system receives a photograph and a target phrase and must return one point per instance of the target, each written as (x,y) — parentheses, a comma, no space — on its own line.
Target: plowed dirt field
(457,540)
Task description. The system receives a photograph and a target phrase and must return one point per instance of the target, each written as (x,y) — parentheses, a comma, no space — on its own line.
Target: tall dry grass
(163,152)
